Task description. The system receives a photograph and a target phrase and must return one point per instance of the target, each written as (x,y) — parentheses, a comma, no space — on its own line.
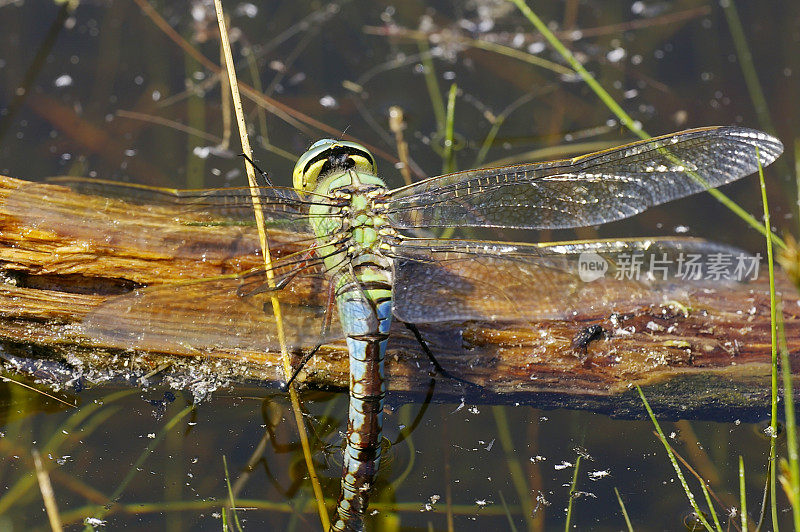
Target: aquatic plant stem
(516,472)
(135,468)
(259,215)
(791,485)
(624,511)
(674,462)
(448,158)
(572,493)
(746,62)
(773,425)
(432,84)
(742,495)
(47,492)
(626,119)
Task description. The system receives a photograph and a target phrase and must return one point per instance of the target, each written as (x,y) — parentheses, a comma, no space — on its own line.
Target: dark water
(68,87)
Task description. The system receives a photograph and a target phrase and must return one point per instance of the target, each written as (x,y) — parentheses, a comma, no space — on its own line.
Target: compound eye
(309,166)
(310,176)
(327,155)
(364,162)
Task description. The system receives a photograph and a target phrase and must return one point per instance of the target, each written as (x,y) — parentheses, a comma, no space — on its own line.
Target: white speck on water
(201,151)
(198,12)
(93,521)
(156,95)
(297,79)
(536,47)
(637,8)
(328,102)
(616,55)
(247,9)
(64,80)
(130,152)
(597,475)
(562,465)
(680,229)
(459,407)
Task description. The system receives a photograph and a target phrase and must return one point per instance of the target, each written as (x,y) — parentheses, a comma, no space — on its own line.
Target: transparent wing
(207,225)
(224,314)
(280,205)
(451,280)
(587,190)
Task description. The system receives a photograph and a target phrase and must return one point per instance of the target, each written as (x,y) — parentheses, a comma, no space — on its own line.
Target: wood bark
(64,254)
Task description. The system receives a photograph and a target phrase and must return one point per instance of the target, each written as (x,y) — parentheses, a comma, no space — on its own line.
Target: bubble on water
(64,80)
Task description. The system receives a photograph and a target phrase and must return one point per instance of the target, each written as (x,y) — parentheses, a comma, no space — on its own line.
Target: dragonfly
(362,255)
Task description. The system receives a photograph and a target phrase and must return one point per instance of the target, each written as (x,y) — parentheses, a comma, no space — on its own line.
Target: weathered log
(64,254)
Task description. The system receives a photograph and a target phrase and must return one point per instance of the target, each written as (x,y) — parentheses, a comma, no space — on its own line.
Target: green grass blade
(674,461)
(515,469)
(572,493)
(711,505)
(601,93)
(101,511)
(231,498)
(624,511)
(742,495)
(626,119)
(432,84)
(773,425)
(791,426)
(448,155)
(797,172)
(746,62)
(511,526)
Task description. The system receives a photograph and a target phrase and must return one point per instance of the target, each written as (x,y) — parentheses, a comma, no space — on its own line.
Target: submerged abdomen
(365,310)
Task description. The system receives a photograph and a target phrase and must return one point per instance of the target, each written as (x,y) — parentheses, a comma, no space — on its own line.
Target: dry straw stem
(298,415)
(47,492)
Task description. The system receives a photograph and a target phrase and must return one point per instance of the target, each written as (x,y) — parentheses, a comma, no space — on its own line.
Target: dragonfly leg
(326,323)
(439,369)
(260,171)
(296,371)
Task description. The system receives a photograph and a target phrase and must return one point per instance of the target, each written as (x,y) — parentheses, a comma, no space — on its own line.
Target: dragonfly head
(327,155)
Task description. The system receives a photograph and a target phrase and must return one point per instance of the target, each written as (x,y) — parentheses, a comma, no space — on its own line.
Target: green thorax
(354,222)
